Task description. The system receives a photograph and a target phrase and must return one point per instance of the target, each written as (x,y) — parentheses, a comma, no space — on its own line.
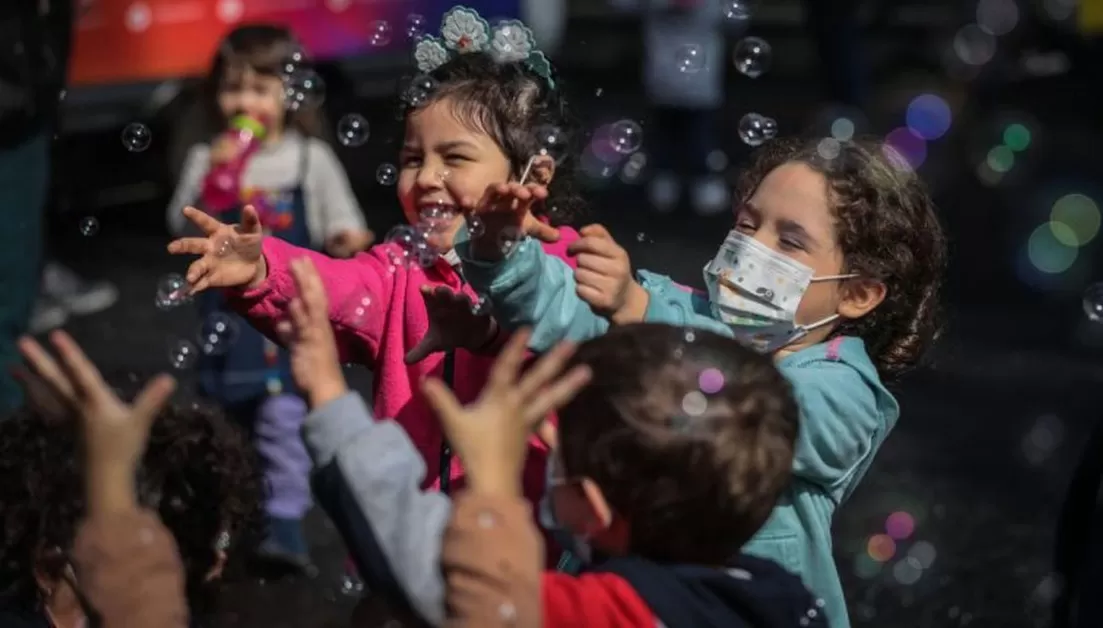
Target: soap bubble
(352,130)
(182,354)
(690,58)
(419,91)
(412,247)
(292,64)
(136,137)
(752,56)
(89,226)
(304,89)
(475,226)
(172,291)
(756,129)
(552,142)
(626,137)
(415,26)
(386,174)
(737,11)
(217,333)
(1093,303)
(380,33)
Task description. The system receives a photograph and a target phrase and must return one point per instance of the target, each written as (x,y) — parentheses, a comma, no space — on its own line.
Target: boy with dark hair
(671,458)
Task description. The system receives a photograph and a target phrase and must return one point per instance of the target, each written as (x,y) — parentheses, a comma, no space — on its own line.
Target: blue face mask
(577,546)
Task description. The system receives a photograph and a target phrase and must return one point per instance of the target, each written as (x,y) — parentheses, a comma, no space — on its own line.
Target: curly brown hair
(198,474)
(887,229)
(689,435)
(511,103)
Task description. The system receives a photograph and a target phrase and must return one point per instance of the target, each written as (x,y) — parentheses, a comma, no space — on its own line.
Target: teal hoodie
(846,412)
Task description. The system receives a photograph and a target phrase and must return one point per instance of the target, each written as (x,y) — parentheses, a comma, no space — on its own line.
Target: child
(617,433)
(190,468)
(298,178)
(477,127)
(833,268)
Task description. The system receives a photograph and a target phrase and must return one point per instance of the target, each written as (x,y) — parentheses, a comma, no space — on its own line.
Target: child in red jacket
(668,461)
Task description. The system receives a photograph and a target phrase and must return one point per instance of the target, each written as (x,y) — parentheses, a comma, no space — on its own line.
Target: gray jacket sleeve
(367,478)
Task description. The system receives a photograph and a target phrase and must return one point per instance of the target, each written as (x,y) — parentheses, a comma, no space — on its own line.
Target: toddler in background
(297,178)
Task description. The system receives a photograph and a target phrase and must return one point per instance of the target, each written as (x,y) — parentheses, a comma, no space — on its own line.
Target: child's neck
(273,137)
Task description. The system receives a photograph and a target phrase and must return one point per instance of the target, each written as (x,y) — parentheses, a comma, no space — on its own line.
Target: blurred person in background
(684,70)
(34,49)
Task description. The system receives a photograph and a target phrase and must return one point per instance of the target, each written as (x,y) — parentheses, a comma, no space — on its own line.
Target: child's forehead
(445,118)
(237,70)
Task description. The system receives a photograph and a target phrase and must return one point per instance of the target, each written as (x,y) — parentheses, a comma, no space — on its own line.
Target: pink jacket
(378,315)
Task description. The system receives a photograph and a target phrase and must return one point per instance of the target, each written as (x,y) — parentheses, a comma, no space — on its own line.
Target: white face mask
(577,545)
(756,291)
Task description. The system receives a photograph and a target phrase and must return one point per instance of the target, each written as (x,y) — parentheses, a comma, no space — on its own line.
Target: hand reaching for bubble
(308,335)
(115,433)
(491,434)
(230,255)
(505,216)
(604,277)
(453,323)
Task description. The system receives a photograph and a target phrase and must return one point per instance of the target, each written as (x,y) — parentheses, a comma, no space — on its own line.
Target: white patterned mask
(756,291)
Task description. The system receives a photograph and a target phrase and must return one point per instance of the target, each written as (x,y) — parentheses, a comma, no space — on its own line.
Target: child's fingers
(596,231)
(542,231)
(197,270)
(594,297)
(206,223)
(503,374)
(298,316)
(545,370)
(539,191)
(189,246)
(442,401)
(589,278)
(311,289)
(250,220)
(595,246)
(84,375)
(558,394)
(600,264)
(147,405)
(45,367)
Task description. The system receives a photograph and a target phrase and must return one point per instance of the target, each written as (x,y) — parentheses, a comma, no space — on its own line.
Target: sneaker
(664,190)
(77,295)
(286,545)
(710,196)
(48,315)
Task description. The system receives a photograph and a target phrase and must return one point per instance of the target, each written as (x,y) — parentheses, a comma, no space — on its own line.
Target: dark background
(990,431)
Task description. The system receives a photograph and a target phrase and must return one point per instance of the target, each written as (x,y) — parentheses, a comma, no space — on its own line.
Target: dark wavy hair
(198,474)
(511,103)
(887,229)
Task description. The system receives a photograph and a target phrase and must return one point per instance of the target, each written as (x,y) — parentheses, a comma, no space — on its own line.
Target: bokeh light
(928,117)
(900,525)
(1046,251)
(881,548)
(1074,219)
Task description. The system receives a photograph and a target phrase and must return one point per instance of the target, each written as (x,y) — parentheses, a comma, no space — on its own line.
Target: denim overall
(252,378)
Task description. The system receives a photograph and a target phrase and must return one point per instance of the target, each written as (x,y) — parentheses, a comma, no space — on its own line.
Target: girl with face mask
(833,267)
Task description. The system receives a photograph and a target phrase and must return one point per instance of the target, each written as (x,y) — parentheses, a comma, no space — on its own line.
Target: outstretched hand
(230,255)
(604,277)
(491,435)
(453,324)
(506,214)
(115,433)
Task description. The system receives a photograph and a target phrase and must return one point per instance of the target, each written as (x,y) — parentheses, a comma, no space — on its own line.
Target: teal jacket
(846,412)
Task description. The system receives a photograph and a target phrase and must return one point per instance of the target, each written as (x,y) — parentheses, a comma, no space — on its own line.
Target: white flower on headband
(464,31)
(430,54)
(512,41)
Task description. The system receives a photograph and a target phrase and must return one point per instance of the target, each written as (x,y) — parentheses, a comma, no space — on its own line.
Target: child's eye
(454,158)
(411,161)
(791,244)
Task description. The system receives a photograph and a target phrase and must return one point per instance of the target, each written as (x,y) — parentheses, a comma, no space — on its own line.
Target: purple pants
(277,433)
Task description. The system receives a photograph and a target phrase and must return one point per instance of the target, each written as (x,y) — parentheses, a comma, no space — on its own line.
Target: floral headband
(463,30)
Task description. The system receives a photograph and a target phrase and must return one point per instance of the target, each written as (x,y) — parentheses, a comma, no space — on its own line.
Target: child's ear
(600,515)
(860,296)
(542,170)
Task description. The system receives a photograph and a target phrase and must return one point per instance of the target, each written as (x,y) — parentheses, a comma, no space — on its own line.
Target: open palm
(229,254)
